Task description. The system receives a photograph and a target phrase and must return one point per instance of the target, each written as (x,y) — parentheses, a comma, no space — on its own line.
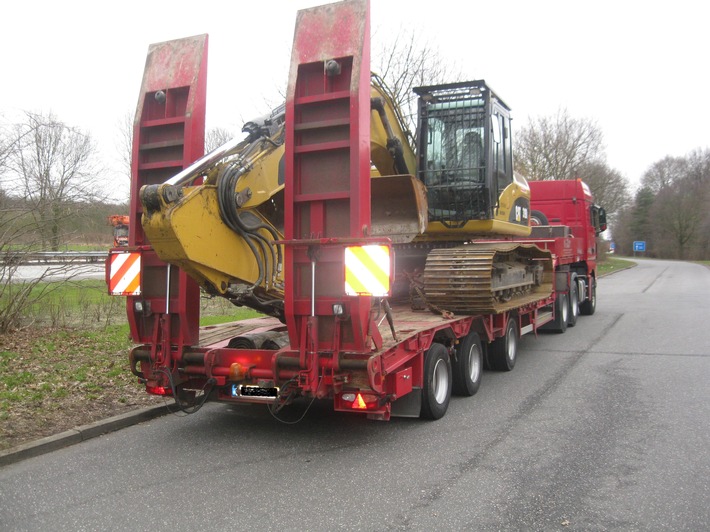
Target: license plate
(243,390)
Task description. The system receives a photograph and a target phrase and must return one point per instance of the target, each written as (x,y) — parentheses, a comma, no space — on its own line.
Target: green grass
(611,264)
(63,362)
(84,303)
(53,374)
(87,305)
(73,294)
(63,247)
(237,315)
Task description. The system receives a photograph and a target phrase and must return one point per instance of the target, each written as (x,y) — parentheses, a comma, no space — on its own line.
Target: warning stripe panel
(125,274)
(367,270)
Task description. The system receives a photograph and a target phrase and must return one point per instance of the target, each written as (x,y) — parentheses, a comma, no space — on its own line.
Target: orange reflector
(367,270)
(359,402)
(236,372)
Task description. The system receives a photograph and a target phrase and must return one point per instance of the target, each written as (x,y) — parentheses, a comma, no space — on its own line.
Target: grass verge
(612,264)
(54,379)
(69,366)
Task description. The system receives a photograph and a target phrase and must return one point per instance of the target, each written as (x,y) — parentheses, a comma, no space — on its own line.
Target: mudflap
(409,405)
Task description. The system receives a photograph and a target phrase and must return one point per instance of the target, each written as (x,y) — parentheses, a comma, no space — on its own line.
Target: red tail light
(360,401)
(158,390)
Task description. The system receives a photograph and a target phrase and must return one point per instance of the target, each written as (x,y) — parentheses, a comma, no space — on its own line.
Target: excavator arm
(219,219)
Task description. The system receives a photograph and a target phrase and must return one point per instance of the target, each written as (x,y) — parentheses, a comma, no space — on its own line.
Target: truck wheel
(468,366)
(573,311)
(588,306)
(436,389)
(538,218)
(503,351)
(561,313)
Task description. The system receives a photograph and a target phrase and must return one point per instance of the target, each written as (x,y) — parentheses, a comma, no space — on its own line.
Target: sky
(637,69)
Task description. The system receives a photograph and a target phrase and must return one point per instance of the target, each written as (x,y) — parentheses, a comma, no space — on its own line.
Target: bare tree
(217,137)
(679,211)
(5,145)
(19,294)
(670,211)
(609,187)
(698,166)
(124,142)
(53,166)
(557,147)
(406,62)
(663,173)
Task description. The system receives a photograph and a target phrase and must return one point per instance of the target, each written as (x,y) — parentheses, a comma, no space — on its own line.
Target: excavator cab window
(453,160)
(501,147)
(464,150)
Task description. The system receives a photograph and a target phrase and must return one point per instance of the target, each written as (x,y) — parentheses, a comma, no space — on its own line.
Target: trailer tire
(573,312)
(589,306)
(467,368)
(436,386)
(503,351)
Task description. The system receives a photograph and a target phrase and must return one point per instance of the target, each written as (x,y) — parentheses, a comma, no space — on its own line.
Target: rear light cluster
(158,390)
(359,401)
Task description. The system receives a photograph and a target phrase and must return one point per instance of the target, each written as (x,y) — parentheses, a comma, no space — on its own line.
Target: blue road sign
(639,245)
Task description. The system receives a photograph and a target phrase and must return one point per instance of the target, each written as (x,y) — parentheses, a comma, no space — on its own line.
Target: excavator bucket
(399,207)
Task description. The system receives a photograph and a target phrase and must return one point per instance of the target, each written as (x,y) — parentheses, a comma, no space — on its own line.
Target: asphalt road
(602,428)
(57,272)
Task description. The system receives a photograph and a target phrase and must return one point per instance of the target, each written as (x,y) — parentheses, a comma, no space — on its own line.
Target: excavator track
(486,277)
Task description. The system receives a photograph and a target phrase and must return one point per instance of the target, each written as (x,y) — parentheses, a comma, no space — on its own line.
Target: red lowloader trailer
(374,323)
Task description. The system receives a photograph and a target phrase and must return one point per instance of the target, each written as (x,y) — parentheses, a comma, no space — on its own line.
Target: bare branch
(557,147)
(217,137)
(52,166)
(405,62)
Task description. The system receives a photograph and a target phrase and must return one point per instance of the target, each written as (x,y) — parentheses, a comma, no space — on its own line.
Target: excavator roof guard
(449,92)
(464,152)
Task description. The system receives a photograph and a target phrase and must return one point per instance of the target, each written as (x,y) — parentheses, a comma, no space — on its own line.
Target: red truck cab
(566,221)
(566,202)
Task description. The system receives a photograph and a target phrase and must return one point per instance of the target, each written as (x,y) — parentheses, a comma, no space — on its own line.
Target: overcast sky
(639,69)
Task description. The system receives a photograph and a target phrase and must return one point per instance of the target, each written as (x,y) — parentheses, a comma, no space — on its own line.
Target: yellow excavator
(451,208)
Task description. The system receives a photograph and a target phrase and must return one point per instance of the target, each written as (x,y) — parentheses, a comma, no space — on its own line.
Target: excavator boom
(221,220)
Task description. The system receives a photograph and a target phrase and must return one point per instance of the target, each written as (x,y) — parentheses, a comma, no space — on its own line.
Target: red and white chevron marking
(125,274)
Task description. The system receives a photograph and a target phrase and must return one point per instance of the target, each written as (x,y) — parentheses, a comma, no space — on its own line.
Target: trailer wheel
(436,389)
(503,351)
(573,303)
(467,369)
(588,306)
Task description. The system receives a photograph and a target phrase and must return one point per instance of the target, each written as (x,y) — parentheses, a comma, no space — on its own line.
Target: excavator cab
(465,161)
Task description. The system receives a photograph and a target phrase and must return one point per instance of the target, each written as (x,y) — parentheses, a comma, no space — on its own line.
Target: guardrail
(51,257)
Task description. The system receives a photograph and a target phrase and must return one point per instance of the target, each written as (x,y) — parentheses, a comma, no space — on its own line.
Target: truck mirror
(602,219)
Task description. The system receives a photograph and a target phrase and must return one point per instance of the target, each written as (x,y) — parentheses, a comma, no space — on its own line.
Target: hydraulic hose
(229,211)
